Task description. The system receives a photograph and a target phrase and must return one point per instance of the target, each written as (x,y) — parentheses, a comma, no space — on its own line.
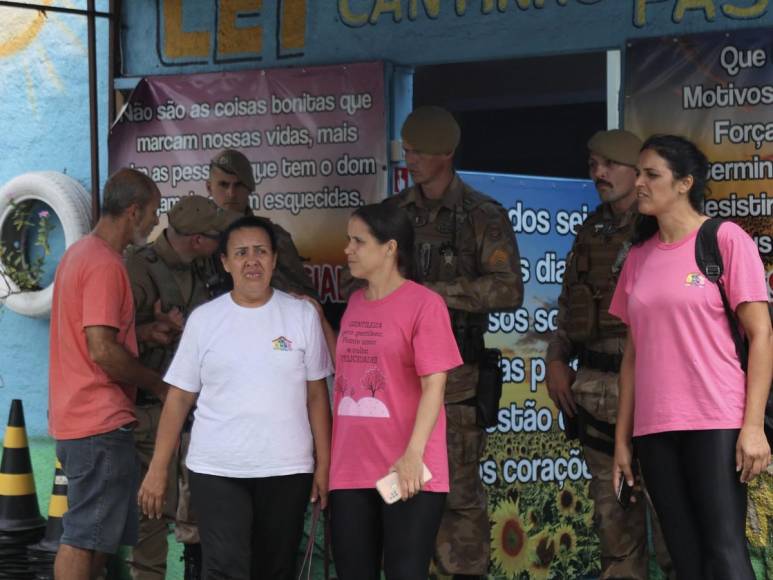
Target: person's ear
(685,184)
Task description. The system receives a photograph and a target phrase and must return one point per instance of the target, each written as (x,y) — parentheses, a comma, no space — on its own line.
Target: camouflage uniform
(157,273)
(289,274)
(466,251)
(594,262)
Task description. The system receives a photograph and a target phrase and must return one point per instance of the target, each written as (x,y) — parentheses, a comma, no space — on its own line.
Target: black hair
(388,221)
(246,222)
(683,159)
(127,187)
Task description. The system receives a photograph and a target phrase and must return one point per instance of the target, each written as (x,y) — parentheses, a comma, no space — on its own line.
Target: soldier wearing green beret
(587,331)
(231,182)
(167,285)
(465,251)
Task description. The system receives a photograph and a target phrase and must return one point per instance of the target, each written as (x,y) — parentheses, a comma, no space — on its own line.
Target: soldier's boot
(192,561)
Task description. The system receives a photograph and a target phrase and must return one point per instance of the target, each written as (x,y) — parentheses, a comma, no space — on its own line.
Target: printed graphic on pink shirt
(384,348)
(361,400)
(695,279)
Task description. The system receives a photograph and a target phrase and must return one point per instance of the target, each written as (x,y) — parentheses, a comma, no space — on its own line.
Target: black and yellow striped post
(56,508)
(18,499)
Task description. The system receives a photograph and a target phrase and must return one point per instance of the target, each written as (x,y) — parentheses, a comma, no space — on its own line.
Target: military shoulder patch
(498,258)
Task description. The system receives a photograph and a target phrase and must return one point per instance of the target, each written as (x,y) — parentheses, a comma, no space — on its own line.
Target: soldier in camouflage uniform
(167,286)
(586,330)
(466,252)
(230,183)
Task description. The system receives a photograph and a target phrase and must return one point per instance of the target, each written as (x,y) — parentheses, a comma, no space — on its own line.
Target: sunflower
(566,540)
(544,545)
(566,501)
(511,540)
(579,507)
(533,519)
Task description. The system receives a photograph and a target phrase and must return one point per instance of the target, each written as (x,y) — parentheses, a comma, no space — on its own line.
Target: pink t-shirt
(383,349)
(687,375)
(91,288)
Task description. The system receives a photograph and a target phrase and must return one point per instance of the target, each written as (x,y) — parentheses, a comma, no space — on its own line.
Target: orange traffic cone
(18,499)
(56,508)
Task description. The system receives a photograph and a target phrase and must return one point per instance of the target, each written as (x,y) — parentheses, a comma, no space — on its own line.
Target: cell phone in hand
(624,492)
(389,485)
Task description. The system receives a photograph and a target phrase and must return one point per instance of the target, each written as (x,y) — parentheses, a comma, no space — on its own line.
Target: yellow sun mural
(24,47)
(20,27)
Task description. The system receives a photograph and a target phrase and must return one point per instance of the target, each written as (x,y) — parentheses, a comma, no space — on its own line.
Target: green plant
(24,248)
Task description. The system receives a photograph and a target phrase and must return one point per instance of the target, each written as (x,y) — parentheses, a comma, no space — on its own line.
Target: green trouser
(148,558)
(464,541)
(622,532)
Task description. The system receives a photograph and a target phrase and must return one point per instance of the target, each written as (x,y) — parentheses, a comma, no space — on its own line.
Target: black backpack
(709,260)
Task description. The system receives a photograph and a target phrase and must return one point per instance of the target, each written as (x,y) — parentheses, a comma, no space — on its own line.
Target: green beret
(195,214)
(431,130)
(617,145)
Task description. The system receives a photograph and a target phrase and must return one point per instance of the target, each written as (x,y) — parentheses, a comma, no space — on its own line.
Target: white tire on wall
(71,203)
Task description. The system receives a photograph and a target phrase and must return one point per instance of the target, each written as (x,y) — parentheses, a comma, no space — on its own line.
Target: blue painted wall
(45,115)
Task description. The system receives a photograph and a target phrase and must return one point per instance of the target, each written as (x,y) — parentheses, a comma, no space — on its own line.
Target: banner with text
(717,90)
(316,138)
(536,480)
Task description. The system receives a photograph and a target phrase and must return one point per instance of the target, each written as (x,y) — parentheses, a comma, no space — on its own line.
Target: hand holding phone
(389,485)
(624,492)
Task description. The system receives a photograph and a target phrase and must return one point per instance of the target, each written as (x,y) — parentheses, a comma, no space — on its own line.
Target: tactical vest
(445,249)
(592,272)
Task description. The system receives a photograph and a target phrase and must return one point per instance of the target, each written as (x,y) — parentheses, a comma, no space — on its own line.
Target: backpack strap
(707,253)
(709,260)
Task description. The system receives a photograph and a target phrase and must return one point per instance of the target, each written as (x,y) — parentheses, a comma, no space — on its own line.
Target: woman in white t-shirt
(254,362)
(695,417)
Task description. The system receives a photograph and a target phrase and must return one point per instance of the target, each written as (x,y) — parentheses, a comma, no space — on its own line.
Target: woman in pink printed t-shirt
(393,351)
(694,416)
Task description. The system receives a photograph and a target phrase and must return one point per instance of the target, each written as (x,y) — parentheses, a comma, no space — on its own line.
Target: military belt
(601,361)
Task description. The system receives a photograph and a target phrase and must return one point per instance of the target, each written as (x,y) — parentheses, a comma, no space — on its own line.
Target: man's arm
(560,375)
(119,364)
(154,327)
(560,348)
(499,285)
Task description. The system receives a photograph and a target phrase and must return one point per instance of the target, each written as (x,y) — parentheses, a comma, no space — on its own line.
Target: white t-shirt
(250,367)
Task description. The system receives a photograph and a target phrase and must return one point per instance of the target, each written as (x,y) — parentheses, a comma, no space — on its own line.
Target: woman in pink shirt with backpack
(694,416)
